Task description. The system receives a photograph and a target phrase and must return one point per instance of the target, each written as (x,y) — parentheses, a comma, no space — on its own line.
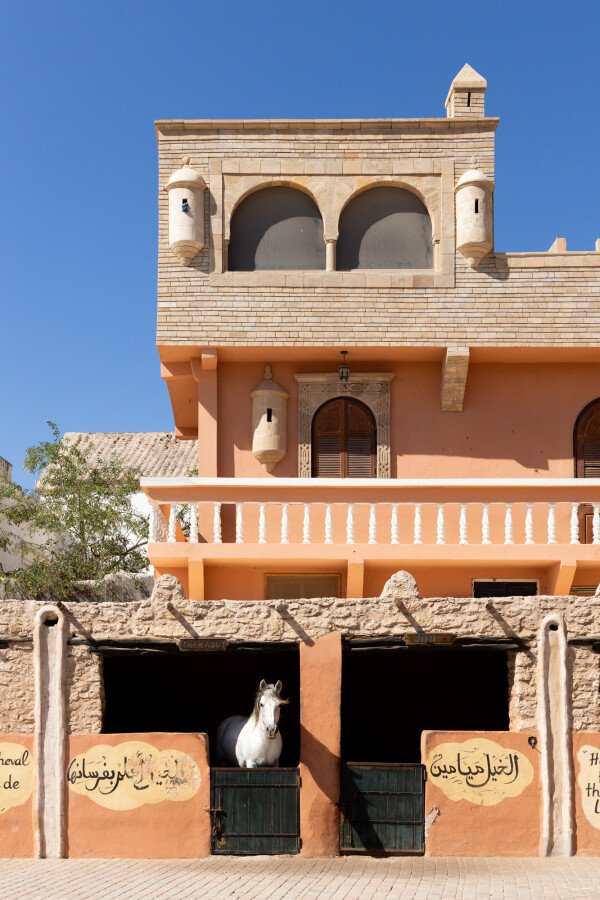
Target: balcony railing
(369,512)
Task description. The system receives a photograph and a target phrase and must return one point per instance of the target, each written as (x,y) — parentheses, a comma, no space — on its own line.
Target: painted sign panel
(479,770)
(588,780)
(132,774)
(16,775)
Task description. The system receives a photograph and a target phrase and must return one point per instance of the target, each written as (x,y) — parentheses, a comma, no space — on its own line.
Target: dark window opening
(482,588)
(344,440)
(389,697)
(468,98)
(276,228)
(195,691)
(385,228)
(302,587)
(477,206)
(269,414)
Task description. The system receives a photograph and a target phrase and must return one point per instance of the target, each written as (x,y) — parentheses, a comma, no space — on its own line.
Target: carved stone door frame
(371,388)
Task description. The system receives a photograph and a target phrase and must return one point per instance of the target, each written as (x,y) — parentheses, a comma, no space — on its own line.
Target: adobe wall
(294,621)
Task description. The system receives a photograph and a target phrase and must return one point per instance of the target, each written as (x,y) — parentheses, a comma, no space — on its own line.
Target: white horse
(254,741)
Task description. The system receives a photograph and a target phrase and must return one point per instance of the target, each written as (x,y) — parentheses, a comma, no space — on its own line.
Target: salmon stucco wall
(138,795)
(16,795)
(586,772)
(482,793)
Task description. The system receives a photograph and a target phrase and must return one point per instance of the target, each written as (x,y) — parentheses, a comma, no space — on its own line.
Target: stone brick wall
(512,299)
(152,619)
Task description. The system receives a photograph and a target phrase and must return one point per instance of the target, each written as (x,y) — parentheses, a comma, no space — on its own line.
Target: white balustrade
(172,532)
(328,525)
(285,528)
(508,524)
(366,522)
(529,524)
(306,524)
(440,525)
(417,525)
(262,523)
(596,524)
(350,524)
(373,524)
(239,523)
(394,534)
(486,537)
(217,532)
(193,523)
(552,523)
(463,537)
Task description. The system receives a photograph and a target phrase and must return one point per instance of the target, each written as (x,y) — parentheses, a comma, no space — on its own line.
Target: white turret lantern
(269,416)
(186,212)
(474,216)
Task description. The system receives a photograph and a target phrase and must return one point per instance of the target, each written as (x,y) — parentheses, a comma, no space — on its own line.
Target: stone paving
(358,878)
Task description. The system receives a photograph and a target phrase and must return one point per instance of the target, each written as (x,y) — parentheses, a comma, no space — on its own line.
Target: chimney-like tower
(466,96)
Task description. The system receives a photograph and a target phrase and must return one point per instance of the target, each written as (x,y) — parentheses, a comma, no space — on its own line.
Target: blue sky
(82,83)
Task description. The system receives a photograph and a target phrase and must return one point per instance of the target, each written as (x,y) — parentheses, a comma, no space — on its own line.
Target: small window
(489,588)
(299,587)
(477,206)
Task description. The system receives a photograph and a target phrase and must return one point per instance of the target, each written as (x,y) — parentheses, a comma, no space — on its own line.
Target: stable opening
(390,696)
(173,691)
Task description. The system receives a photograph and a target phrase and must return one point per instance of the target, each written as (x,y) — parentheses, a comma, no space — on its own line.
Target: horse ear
(278,687)
(262,686)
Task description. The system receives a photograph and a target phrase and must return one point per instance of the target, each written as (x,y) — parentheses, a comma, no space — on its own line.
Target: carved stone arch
(371,388)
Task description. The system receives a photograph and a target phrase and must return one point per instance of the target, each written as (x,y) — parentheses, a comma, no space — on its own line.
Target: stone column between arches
(320,736)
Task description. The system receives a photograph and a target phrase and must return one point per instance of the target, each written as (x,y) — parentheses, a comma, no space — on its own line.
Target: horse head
(267,706)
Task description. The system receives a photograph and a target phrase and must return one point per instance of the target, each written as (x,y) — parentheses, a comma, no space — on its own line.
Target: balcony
(405,523)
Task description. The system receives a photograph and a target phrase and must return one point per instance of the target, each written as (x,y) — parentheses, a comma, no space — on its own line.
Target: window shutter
(344,442)
(327,441)
(591,460)
(359,443)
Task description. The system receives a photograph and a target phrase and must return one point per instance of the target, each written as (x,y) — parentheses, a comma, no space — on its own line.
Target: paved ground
(275,877)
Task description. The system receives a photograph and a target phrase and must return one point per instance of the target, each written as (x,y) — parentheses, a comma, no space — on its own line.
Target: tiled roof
(155,454)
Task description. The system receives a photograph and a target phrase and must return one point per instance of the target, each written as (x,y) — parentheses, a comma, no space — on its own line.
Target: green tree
(78,524)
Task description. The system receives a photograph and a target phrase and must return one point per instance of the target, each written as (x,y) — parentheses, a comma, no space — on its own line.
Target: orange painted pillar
(320,728)
(205,372)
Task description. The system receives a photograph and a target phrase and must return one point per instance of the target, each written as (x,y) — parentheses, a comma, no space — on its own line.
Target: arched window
(385,228)
(586,440)
(586,450)
(276,228)
(344,440)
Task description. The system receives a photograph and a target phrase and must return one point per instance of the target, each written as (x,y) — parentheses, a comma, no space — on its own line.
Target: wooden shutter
(591,460)
(344,440)
(327,440)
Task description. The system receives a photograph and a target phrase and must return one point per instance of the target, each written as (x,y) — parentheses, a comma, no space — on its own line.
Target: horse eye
(262,703)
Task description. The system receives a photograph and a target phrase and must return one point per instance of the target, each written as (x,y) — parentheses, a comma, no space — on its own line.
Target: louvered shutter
(591,460)
(343,441)
(360,448)
(327,441)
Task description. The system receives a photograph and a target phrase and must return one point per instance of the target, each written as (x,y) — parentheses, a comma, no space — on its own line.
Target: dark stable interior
(390,696)
(160,691)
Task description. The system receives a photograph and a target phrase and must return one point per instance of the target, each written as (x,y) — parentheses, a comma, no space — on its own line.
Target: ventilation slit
(477,206)
(469,98)
(269,414)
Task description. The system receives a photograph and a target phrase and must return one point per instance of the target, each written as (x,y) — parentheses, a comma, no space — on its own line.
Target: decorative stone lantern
(269,416)
(474,216)
(186,212)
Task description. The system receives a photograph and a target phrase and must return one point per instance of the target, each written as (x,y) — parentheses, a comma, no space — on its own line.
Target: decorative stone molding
(371,388)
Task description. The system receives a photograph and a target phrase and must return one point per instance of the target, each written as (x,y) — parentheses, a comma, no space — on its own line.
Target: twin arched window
(279,228)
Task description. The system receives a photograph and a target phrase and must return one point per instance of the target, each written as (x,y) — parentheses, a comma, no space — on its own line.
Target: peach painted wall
(517,418)
(462,828)
(16,822)
(249,582)
(168,829)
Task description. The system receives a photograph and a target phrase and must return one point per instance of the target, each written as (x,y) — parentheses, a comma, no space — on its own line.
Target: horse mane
(270,689)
